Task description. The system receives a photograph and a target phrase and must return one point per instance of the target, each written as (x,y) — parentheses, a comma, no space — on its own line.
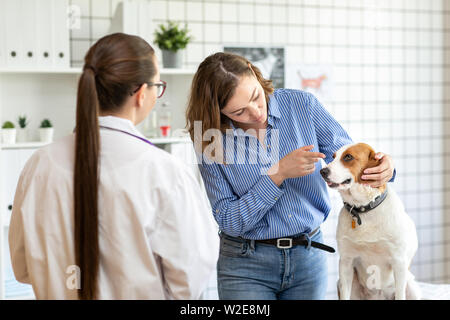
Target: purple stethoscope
(130,134)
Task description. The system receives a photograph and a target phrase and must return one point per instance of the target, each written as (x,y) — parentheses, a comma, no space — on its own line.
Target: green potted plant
(22,132)
(171,39)
(8,133)
(46,131)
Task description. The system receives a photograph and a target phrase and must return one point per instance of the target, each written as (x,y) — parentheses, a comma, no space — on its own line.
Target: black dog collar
(356,211)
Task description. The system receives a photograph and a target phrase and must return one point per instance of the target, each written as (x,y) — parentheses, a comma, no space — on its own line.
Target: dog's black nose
(325,172)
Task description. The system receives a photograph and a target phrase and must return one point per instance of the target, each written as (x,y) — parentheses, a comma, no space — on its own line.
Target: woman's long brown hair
(114,66)
(212,87)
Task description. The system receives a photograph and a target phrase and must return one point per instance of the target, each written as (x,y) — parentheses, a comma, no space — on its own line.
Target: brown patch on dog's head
(358,158)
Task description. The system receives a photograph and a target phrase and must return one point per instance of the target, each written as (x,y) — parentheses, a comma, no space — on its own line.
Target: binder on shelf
(45,49)
(61,34)
(34,34)
(2,34)
(28,33)
(133,17)
(13,31)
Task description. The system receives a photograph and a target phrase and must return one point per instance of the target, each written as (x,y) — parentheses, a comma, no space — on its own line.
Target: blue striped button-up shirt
(244,200)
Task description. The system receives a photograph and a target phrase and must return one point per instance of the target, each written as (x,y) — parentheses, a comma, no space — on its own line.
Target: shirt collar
(272,112)
(274,109)
(120,124)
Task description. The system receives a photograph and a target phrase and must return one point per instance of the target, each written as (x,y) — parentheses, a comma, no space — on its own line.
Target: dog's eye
(348,157)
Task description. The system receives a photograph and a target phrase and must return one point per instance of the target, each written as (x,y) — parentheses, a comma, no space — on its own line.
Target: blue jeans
(257,271)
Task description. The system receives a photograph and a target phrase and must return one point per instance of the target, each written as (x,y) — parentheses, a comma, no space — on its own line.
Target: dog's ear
(372,161)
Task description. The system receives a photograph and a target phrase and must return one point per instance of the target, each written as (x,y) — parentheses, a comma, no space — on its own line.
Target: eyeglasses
(160,86)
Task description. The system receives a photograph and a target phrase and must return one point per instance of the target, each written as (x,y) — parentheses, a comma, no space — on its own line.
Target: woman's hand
(298,163)
(381,174)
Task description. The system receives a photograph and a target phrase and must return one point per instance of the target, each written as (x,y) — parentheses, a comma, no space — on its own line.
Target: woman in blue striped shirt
(259,152)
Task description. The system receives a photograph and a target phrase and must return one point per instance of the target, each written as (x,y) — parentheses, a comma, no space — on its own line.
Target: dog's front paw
(343,291)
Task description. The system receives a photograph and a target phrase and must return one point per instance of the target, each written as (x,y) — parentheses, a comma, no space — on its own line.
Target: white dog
(376,239)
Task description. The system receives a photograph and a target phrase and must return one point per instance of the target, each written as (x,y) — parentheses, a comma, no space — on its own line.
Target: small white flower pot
(22,135)
(9,136)
(46,134)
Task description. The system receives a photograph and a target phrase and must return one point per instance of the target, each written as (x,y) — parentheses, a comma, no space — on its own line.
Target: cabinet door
(9,173)
(12,163)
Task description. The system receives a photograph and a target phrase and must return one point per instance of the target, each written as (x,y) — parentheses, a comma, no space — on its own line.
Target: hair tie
(88,66)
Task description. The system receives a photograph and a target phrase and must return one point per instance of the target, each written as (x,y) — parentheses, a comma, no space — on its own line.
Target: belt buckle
(280,246)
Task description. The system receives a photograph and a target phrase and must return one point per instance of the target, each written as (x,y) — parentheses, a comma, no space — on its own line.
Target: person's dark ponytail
(86,185)
(114,66)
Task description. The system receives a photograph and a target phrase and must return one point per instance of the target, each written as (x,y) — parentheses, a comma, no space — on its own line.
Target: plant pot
(9,136)
(172,59)
(22,135)
(46,134)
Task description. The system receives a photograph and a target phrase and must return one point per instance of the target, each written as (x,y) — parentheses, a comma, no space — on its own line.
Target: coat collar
(120,124)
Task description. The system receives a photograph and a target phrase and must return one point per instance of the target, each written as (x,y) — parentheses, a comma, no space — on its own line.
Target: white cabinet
(34,34)
(11,164)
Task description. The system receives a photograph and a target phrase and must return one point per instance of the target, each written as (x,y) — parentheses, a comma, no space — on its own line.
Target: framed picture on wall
(314,78)
(270,60)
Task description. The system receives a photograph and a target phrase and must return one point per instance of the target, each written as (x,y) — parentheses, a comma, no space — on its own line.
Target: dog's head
(348,166)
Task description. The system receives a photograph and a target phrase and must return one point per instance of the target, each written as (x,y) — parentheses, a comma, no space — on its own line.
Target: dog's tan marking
(363,158)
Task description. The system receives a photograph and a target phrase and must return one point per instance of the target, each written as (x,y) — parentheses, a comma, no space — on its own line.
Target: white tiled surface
(392,85)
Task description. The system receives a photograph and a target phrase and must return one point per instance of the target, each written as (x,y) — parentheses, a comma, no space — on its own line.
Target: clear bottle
(151,124)
(165,120)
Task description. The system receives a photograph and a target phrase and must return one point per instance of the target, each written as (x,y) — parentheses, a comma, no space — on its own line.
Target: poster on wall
(270,60)
(313,78)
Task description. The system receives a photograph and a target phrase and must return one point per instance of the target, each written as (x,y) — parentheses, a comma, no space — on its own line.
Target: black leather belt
(287,243)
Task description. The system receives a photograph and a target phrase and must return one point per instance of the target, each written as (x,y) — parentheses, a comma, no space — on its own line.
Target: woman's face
(248,104)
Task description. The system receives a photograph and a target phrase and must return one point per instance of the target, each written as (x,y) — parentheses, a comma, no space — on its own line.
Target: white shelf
(77,71)
(24,145)
(37,144)
(49,71)
(168,71)
(169,140)
(28,297)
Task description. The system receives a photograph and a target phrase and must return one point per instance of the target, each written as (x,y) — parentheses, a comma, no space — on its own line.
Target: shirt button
(268,146)
(217,210)
(290,216)
(276,198)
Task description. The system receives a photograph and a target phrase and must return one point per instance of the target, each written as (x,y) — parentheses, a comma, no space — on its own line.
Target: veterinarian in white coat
(145,230)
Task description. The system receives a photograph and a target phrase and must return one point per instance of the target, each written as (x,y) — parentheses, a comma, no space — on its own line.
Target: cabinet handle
(13,53)
(30,54)
(46,54)
(10,207)
(61,55)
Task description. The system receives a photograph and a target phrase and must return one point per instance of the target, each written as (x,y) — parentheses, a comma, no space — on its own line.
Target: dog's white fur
(374,256)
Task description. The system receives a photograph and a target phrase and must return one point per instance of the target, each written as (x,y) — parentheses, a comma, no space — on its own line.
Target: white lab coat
(157,236)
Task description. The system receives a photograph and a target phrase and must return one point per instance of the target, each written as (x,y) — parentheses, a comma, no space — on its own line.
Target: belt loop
(252,244)
(307,238)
